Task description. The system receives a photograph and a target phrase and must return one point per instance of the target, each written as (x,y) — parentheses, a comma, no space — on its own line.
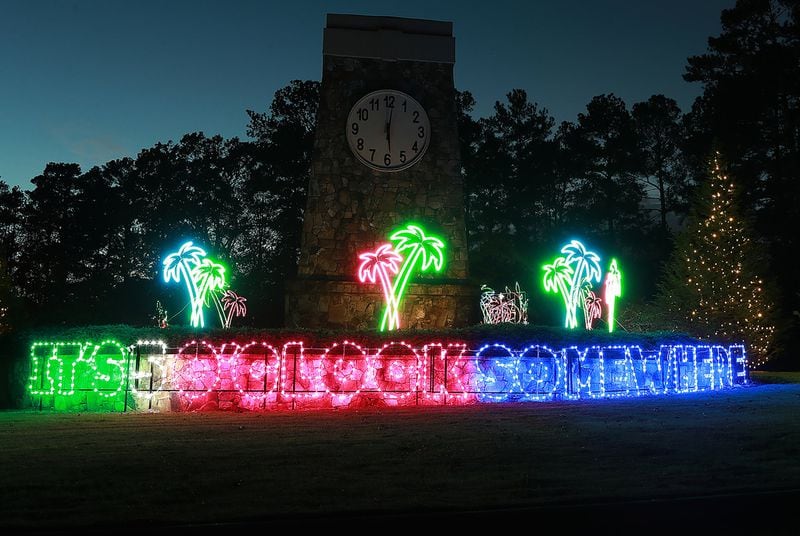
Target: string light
(612,289)
(592,307)
(568,275)
(423,252)
(727,298)
(205,281)
(147,371)
(377,266)
(442,372)
(74,368)
(257,378)
(510,306)
(233,305)
(178,267)
(257,375)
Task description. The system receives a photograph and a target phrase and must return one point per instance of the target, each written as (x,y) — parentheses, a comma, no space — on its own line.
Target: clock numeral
(369,109)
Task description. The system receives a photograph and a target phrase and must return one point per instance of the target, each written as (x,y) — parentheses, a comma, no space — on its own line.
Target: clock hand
(389,131)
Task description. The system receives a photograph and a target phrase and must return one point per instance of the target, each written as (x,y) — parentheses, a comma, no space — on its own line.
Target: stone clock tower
(362,188)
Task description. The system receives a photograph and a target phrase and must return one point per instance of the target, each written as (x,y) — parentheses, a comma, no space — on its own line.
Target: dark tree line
(750,112)
(616,178)
(85,246)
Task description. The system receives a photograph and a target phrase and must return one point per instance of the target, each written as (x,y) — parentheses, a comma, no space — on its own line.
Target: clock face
(388,130)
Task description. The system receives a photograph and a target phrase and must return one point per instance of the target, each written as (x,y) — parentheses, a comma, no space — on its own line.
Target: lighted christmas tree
(713,284)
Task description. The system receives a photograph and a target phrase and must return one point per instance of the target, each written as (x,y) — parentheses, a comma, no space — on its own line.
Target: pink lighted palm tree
(376,266)
(591,307)
(234,305)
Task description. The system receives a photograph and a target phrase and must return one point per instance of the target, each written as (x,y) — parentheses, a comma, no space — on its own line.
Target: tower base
(345,304)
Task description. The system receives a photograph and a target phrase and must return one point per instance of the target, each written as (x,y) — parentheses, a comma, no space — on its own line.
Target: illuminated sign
(262,375)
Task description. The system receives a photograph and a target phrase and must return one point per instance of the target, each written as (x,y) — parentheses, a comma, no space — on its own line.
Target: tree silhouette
(750,111)
(603,145)
(513,191)
(50,233)
(659,129)
(284,140)
(529,184)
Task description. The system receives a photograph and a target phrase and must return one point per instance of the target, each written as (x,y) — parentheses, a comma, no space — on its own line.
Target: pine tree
(713,285)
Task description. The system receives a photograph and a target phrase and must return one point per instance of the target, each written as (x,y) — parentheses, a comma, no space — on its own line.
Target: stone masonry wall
(346,304)
(352,208)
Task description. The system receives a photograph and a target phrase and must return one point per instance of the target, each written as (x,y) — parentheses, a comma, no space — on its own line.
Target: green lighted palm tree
(587,268)
(424,251)
(209,277)
(179,265)
(556,278)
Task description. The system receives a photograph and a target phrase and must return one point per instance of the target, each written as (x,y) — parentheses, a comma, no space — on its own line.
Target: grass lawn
(775,377)
(139,470)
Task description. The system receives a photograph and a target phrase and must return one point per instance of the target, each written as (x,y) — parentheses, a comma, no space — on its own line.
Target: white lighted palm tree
(179,266)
